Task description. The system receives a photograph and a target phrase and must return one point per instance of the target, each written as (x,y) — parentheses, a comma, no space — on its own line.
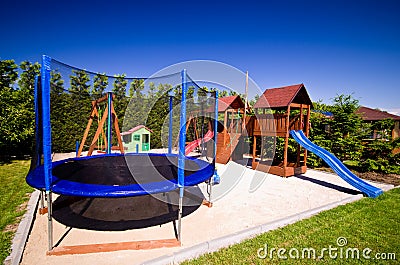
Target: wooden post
(285,154)
(245,101)
(116,127)
(99,130)
(307,132)
(301,128)
(225,124)
(196,134)
(254,148)
(232,113)
(93,114)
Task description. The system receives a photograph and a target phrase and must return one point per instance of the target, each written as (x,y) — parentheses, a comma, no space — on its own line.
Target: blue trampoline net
(166,122)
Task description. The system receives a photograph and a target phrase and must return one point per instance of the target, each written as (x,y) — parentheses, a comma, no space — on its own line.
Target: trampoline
(118,175)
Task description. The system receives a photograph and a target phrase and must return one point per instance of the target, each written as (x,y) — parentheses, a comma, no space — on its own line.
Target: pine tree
(100,83)
(79,83)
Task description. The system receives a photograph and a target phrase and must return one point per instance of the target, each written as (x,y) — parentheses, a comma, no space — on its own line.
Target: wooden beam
(103,98)
(301,117)
(109,247)
(99,130)
(295,105)
(225,123)
(116,127)
(307,132)
(301,128)
(254,148)
(207,203)
(245,101)
(308,120)
(43,210)
(285,151)
(231,126)
(93,114)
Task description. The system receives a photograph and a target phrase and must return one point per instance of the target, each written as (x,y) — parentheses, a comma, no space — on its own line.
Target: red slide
(192,145)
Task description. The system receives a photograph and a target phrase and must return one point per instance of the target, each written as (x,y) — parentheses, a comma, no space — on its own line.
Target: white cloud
(394,111)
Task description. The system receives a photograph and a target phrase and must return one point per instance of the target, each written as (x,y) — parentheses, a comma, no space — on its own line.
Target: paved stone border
(24,228)
(226,241)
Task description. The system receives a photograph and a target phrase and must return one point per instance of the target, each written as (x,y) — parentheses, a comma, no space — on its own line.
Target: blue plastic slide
(336,165)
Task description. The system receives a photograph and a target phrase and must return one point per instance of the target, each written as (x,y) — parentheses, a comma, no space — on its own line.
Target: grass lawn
(370,225)
(14,192)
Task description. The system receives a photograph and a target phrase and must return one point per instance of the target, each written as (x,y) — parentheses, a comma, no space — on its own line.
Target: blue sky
(333,47)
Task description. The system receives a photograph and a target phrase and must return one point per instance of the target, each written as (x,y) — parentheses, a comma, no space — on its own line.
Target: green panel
(145,146)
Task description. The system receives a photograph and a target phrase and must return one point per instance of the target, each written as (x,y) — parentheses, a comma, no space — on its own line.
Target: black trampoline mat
(122,170)
(119,214)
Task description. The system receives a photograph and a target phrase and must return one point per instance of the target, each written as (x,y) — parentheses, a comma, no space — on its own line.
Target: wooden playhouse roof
(281,97)
(368,114)
(137,128)
(233,102)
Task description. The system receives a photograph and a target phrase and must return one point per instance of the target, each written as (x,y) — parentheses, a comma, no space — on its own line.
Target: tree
(384,128)
(136,88)
(222,93)
(79,83)
(346,128)
(76,108)
(25,124)
(120,100)
(341,133)
(8,77)
(60,105)
(56,83)
(119,87)
(320,124)
(17,115)
(100,83)
(8,74)
(135,110)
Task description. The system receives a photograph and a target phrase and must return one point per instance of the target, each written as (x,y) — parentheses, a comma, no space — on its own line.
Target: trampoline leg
(42,209)
(41,199)
(50,221)
(210,193)
(180,213)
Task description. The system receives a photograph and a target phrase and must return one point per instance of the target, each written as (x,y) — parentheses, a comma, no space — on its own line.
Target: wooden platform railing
(271,125)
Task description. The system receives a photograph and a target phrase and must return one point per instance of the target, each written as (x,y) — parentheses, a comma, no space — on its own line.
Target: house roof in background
(368,114)
(283,96)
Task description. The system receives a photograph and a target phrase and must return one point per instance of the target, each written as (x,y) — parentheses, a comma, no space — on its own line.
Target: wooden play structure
(110,116)
(278,111)
(231,112)
(229,134)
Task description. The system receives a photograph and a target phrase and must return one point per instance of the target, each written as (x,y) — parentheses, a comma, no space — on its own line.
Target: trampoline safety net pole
(109,122)
(215,144)
(170,125)
(38,149)
(181,155)
(46,125)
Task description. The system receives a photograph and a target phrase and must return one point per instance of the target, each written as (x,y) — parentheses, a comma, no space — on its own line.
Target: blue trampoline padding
(35,178)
